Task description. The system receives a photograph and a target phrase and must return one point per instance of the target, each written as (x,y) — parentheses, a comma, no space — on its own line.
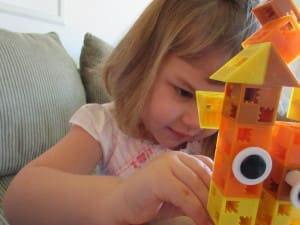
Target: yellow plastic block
(209,105)
(275,212)
(257,64)
(294,105)
(242,68)
(231,211)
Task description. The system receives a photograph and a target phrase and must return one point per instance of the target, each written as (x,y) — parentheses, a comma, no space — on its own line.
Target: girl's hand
(173,184)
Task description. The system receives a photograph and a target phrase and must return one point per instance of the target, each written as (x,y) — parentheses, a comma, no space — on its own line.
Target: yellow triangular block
(249,66)
(294,105)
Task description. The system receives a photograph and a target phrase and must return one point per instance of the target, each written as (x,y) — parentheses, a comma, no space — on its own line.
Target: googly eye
(295,195)
(252,165)
(293,179)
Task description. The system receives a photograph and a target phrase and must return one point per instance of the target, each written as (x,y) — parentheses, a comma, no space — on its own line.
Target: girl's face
(170,113)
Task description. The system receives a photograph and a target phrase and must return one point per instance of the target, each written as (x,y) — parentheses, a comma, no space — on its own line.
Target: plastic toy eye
(252,165)
(295,195)
(293,179)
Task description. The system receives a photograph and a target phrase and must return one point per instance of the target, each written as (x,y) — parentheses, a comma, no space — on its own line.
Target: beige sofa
(40,88)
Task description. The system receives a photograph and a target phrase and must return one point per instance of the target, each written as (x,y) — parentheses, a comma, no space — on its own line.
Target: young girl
(136,140)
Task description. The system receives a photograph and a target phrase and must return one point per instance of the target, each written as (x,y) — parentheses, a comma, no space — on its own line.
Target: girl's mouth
(179,135)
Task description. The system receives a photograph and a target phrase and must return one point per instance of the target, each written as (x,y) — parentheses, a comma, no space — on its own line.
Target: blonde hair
(183,27)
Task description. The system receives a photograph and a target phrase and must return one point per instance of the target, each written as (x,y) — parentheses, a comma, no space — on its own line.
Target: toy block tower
(242,161)
(277,207)
(250,159)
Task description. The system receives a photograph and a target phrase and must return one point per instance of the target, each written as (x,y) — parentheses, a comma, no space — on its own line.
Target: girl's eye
(184,93)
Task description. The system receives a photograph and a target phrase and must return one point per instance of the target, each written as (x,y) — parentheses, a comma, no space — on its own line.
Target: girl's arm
(57,188)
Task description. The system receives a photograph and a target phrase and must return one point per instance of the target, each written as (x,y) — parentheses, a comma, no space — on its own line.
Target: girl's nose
(190,118)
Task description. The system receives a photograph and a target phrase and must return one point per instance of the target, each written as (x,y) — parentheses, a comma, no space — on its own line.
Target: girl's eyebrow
(185,83)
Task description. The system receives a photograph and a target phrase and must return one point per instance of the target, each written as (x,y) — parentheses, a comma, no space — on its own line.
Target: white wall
(107,19)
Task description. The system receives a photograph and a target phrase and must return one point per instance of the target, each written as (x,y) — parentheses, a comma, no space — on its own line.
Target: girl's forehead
(211,61)
(194,74)
(208,61)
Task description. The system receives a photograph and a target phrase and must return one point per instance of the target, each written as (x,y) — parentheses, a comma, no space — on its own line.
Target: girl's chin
(181,146)
(175,147)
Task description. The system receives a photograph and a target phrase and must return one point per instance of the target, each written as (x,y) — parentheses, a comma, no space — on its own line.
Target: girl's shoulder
(95,113)
(96,119)
(97,109)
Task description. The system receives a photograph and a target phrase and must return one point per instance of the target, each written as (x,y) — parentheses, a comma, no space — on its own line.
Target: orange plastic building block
(228,184)
(235,136)
(209,105)
(284,33)
(274,9)
(285,156)
(251,104)
(272,211)
(275,183)
(286,143)
(233,139)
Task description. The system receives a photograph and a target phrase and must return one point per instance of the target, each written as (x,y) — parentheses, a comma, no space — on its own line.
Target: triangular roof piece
(258,64)
(247,67)
(278,72)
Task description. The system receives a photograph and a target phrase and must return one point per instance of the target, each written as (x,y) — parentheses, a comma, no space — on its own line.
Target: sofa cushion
(93,53)
(40,88)
(4,182)
(2,219)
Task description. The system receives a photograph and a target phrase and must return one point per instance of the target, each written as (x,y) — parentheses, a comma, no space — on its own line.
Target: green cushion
(40,88)
(2,220)
(93,53)
(4,182)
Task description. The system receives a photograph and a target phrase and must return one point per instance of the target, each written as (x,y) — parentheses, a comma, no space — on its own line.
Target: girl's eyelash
(184,93)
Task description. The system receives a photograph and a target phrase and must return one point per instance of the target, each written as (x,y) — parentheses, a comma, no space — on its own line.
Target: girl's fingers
(178,194)
(207,160)
(168,211)
(188,176)
(202,169)
(173,177)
